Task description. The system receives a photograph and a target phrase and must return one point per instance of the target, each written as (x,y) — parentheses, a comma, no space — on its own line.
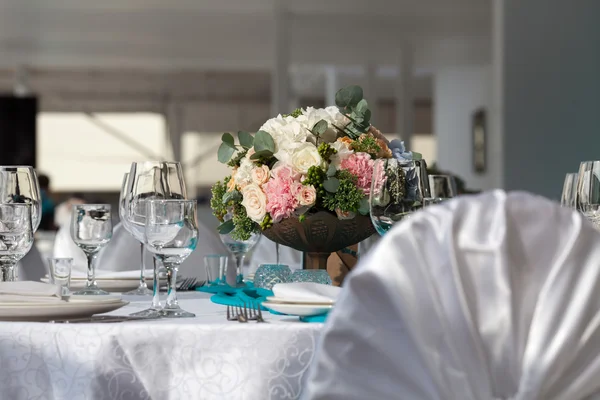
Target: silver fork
(237,313)
(254,313)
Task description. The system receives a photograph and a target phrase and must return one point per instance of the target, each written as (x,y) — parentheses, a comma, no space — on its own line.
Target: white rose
(305,156)
(260,175)
(243,174)
(343,152)
(255,202)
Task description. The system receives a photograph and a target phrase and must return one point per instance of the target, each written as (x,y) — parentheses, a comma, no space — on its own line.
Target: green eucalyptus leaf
(320,127)
(367,117)
(233,195)
(349,96)
(331,170)
(264,141)
(363,209)
(246,139)
(331,184)
(262,153)
(417,156)
(362,106)
(225,152)
(227,138)
(226,227)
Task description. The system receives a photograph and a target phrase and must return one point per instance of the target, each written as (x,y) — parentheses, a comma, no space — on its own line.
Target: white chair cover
(123,253)
(493,296)
(64,247)
(32,267)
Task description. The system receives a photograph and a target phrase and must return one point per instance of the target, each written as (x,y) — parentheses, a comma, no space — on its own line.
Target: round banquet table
(206,357)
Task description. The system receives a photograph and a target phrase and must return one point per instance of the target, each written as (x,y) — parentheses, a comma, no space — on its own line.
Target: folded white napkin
(28,291)
(306,291)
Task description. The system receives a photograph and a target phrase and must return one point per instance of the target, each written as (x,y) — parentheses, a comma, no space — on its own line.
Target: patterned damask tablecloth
(201,358)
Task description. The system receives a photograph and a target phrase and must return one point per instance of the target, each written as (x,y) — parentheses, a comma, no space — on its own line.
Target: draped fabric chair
(486,297)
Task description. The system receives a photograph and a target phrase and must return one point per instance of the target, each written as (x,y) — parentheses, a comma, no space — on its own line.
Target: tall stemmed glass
(19,184)
(239,249)
(150,181)
(398,189)
(142,289)
(172,235)
(569,192)
(588,191)
(442,186)
(91,230)
(16,237)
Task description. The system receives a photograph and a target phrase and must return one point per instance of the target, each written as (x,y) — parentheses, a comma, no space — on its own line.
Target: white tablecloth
(204,358)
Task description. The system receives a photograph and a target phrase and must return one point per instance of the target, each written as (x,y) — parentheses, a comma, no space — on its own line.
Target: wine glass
(91,230)
(569,192)
(19,184)
(239,249)
(147,181)
(142,289)
(442,186)
(171,235)
(588,191)
(398,189)
(16,237)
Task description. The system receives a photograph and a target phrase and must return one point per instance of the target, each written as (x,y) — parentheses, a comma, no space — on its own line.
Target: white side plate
(301,310)
(74,308)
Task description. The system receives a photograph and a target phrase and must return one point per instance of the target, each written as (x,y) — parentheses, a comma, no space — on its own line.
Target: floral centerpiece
(300,167)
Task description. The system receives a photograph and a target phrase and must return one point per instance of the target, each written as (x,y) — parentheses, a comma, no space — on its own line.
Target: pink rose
(361,166)
(260,175)
(307,196)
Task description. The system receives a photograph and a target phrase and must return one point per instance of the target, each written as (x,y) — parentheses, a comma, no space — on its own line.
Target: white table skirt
(204,358)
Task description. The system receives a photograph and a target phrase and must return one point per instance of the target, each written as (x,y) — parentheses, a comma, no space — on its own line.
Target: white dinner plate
(76,307)
(110,285)
(300,310)
(289,300)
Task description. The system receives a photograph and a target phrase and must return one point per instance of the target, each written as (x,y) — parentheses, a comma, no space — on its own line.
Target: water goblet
(16,237)
(216,269)
(239,249)
(398,189)
(172,235)
(150,180)
(60,273)
(569,193)
(442,186)
(91,230)
(588,191)
(19,184)
(267,275)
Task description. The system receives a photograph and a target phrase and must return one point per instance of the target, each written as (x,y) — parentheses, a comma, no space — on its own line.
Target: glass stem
(91,270)
(171,286)
(7,272)
(143,268)
(239,261)
(155,287)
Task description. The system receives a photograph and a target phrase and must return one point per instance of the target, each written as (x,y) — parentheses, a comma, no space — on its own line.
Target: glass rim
(154,162)
(170,200)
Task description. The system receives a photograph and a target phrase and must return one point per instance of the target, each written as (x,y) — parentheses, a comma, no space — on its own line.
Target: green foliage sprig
(216,201)
(296,113)
(326,151)
(366,144)
(244,226)
(262,142)
(347,196)
(350,102)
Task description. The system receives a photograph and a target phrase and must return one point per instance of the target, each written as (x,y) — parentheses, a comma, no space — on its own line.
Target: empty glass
(588,191)
(239,249)
(150,180)
(311,275)
(19,184)
(442,186)
(16,237)
(216,268)
(398,189)
(60,273)
(172,235)
(91,230)
(569,192)
(267,275)
(142,289)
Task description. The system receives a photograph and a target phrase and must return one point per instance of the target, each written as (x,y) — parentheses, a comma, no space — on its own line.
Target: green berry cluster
(296,113)
(216,201)
(326,151)
(346,198)
(315,176)
(266,223)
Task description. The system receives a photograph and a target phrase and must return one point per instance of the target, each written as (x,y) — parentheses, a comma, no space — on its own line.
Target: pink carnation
(361,166)
(285,172)
(282,196)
